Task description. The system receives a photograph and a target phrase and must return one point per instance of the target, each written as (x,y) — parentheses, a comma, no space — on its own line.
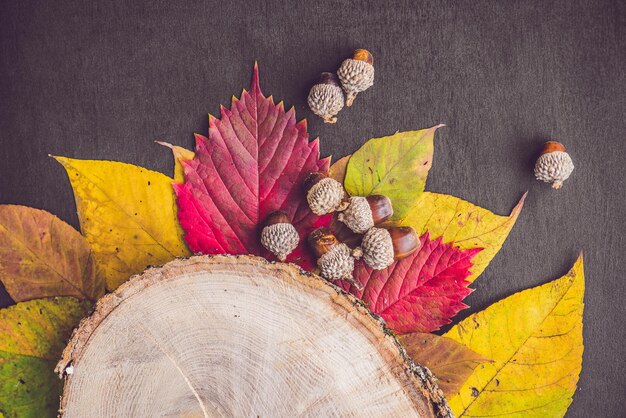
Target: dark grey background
(105,79)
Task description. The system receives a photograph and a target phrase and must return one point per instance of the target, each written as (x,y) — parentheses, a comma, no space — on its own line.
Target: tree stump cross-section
(239,337)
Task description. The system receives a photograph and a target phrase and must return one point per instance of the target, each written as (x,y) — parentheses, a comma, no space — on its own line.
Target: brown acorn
(335,259)
(356,74)
(279,236)
(326,97)
(381,246)
(324,194)
(365,212)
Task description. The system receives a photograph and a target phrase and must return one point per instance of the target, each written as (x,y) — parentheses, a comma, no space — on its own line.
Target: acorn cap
(356,74)
(554,165)
(365,212)
(279,236)
(338,264)
(324,194)
(381,246)
(377,248)
(326,97)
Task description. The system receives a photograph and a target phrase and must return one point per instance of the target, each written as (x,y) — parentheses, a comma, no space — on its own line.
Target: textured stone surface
(104,80)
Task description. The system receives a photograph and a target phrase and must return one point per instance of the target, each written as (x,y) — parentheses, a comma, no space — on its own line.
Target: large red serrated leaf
(252,163)
(420,293)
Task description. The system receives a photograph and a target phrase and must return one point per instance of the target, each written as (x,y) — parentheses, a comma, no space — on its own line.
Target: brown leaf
(338,169)
(42,256)
(452,363)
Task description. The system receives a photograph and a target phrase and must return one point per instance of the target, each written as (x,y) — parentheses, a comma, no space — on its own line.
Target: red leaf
(252,163)
(420,293)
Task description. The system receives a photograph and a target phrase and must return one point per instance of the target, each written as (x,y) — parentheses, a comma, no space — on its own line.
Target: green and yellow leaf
(42,256)
(535,340)
(32,337)
(127,214)
(464,224)
(395,166)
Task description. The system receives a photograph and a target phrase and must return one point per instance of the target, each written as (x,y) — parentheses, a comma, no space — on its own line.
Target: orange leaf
(338,169)
(42,256)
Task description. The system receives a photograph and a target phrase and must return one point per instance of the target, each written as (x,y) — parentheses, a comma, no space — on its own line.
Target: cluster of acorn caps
(380,245)
(355,75)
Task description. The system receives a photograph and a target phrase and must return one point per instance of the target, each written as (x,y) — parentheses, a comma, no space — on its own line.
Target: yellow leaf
(535,340)
(127,214)
(465,224)
(395,166)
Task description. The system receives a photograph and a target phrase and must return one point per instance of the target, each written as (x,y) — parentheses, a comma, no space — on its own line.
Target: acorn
(554,165)
(381,246)
(324,194)
(365,212)
(279,236)
(326,97)
(335,259)
(356,74)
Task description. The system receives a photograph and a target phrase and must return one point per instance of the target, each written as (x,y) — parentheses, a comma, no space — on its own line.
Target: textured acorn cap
(326,100)
(337,263)
(356,75)
(280,239)
(358,216)
(377,248)
(325,196)
(554,165)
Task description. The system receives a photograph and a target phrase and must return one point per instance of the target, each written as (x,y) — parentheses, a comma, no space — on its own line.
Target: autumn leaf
(127,214)
(467,225)
(455,220)
(395,166)
(535,340)
(338,169)
(421,292)
(32,337)
(252,163)
(180,154)
(451,362)
(42,256)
